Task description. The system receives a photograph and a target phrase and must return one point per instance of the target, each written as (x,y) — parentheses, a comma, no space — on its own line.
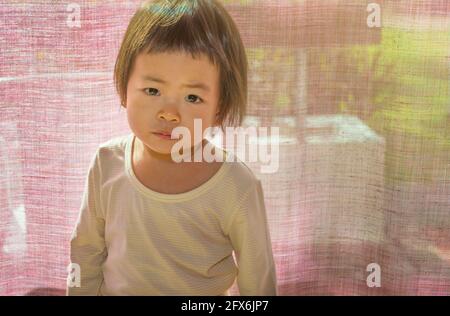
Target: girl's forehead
(175,56)
(176,63)
(178,68)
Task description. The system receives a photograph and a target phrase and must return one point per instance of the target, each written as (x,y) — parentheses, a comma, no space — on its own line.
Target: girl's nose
(169,117)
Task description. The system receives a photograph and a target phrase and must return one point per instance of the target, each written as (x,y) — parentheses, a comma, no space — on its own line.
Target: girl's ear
(217,116)
(217,123)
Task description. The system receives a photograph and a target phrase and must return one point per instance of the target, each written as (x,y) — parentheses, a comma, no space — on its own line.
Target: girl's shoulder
(114,144)
(110,153)
(240,173)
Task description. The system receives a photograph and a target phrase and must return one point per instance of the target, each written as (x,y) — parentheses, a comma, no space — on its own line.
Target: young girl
(149,225)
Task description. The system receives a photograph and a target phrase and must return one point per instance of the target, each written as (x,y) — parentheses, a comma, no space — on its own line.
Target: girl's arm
(87,245)
(250,237)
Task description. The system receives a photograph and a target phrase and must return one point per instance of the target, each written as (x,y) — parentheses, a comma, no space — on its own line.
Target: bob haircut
(189,26)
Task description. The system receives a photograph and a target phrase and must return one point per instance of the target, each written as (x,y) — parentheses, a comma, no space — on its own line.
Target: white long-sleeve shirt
(131,240)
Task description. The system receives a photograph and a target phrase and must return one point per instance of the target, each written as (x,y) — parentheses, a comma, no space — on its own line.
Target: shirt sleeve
(87,244)
(250,238)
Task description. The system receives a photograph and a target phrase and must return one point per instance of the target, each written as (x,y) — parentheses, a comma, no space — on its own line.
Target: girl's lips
(163,136)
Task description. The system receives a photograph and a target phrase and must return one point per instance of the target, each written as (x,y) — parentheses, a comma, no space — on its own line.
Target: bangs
(177,29)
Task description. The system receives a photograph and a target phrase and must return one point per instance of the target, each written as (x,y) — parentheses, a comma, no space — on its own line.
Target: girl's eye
(150,90)
(195,98)
(190,98)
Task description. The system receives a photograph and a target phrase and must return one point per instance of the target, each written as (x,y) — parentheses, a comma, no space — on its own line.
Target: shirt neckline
(177,197)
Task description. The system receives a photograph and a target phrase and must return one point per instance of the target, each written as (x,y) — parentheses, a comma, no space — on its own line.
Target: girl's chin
(159,150)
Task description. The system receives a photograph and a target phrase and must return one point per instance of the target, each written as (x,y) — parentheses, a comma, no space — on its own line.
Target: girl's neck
(148,157)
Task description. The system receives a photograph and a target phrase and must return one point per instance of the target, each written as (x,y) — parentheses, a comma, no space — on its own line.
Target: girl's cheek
(134,115)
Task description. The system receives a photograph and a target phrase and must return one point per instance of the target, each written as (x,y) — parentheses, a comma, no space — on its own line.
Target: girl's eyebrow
(198,85)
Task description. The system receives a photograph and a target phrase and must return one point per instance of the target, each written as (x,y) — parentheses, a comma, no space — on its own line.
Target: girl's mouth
(163,136)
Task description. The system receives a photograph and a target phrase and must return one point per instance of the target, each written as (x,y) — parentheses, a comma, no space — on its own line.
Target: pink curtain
(360,202)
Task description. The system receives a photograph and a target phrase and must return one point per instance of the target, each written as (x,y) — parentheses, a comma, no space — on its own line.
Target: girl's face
(168,90)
